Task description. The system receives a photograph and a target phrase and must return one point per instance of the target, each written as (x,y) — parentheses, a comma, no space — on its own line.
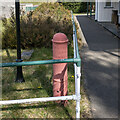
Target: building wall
(119,12)
(6,8)
(96,9)
(105,13)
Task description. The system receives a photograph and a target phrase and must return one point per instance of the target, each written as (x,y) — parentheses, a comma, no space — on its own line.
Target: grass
(38,83)
(36,1)
(29,1)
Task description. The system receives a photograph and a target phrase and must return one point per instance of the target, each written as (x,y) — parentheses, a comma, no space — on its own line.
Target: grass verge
(38,84)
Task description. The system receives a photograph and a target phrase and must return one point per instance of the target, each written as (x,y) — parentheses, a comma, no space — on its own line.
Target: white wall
(104,13)
(6,8)
(96,9)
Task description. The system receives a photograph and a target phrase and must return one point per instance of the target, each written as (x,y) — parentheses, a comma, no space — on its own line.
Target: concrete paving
(100,68)
(112,28)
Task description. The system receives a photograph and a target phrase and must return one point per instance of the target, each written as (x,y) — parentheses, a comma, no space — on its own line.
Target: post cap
(60,38)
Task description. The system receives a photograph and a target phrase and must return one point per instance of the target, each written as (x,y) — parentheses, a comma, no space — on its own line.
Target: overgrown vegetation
(27,1)
(37,30)
(38,27)
(76,7)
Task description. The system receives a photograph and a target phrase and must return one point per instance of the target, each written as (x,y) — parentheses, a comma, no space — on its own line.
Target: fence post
(77,91)
(60,43)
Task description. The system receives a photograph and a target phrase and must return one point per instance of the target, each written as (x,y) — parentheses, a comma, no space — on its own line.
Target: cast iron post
(19,77)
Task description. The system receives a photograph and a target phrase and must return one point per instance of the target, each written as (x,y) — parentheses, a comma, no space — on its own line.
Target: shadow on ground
(100,64)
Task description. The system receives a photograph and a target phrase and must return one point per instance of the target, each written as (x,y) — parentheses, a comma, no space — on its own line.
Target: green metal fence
(14,64)
(77,65)
(30,9)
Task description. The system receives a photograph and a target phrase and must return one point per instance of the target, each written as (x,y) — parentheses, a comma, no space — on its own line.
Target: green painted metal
(74,32)
(14,64)
(76,43)
(87,7)
(76,60)
(30,9)
(90,9)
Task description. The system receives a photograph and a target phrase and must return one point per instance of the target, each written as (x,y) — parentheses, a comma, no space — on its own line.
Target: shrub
(76,7)
(38,27)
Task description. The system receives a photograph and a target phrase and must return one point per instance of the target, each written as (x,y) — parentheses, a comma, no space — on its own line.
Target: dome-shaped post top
(60,38)
(60,78)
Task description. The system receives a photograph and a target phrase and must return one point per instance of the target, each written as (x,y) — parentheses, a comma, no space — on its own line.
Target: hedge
(38,27)
(76,7)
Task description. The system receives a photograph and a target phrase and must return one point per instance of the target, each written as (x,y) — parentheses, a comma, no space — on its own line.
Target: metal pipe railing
(77,69)
(77,66)
(14,64)
(75,35)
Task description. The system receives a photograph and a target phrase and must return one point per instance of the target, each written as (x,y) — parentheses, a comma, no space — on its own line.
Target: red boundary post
(60,79)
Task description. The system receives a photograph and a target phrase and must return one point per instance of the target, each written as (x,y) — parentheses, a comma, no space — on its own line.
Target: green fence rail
(14,64)
(30,9)
(75,33)
(73,60)
(77,68)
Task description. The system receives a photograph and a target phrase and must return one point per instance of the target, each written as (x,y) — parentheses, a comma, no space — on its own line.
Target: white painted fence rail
(77,74)
(36,100)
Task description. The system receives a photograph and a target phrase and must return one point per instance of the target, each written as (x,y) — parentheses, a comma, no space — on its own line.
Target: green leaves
(39,26)
(76,7)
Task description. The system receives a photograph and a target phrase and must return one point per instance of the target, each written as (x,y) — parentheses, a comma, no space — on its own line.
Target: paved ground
(112,28)
(109,26)
(100,66)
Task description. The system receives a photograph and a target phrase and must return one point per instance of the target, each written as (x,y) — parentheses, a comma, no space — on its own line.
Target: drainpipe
(96,10)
